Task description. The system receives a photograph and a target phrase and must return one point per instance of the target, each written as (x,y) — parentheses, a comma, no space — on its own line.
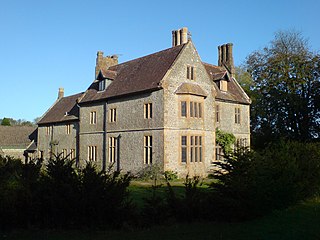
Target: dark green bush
(59,193)
(105,198)
(255,183)
(188,206)
(155,210)
(18,183)
(61,196)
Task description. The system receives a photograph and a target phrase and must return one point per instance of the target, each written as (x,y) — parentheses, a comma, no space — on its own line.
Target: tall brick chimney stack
(226,57)
(61,93)
(179,36)
(104,62)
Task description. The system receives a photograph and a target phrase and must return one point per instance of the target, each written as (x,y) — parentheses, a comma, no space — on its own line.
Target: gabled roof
(65,109)
(139,75)
(15,136)
(215,72)
(235,93)
(106,73)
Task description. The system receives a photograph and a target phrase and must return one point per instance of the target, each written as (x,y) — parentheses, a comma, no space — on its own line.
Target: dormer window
(223,85)
(102,85)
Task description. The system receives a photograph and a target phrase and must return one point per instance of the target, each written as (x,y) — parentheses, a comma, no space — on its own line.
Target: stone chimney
(179,36)
(104,62)
(226,58)
(61,93)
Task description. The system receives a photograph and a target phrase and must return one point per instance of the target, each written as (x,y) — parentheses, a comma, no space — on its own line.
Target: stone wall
(177,126)
(92,134)
(131,125)
(227,119)
(59,136)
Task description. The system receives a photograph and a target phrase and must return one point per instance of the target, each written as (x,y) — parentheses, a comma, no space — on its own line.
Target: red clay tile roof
(57,113)
(135,76)
(234,94)
(15,136)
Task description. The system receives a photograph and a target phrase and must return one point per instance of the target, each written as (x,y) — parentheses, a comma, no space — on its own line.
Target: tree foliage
(14,122)
(5,122)
(285,89)
(225,140)
(254,183)
(57,195)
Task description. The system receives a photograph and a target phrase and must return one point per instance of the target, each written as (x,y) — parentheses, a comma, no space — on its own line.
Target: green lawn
(299,222)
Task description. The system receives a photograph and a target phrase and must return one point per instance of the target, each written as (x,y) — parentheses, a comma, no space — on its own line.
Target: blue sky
(46,44)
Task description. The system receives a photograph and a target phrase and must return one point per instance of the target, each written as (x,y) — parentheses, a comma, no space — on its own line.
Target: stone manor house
(161,109)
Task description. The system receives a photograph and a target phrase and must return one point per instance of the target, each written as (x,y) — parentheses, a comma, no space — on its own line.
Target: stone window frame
(194,108)
(183,149)
(93,118)
(68,128)
(92,153)
(48,130)
(102,85)
(147,149)
(191,72)
(217,115)
(237,115)
(112,115)
(148,111)
(112,149)
(64,153)
(72,154)
(241,143)
(183,109)
(194,152)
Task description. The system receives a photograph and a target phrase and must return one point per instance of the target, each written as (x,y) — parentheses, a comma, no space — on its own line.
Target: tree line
(19,122)
(283,81)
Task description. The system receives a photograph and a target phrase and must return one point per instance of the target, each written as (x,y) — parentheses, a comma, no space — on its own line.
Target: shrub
(18,184)
(61,196)
(59,193)
(155,210)
(190,205)
(254,183)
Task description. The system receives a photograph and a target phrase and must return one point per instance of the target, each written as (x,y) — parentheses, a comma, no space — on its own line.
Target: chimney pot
(225,57)
(104,62)
(173,38)
(61,93)
(179,36)
(184,35)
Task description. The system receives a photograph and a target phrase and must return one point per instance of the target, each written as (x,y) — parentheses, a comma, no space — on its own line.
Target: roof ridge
(211,65)
(149,55)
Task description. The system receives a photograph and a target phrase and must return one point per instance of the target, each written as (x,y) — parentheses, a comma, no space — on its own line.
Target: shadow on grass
(298,222)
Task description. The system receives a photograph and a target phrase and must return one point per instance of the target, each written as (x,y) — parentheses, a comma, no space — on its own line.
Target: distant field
(299,222)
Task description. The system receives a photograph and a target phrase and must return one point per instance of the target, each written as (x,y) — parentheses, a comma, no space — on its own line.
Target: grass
(139,190)
(298,222)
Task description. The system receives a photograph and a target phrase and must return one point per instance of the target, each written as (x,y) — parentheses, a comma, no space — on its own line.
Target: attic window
(102,85)
(223,85)
(190,72)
